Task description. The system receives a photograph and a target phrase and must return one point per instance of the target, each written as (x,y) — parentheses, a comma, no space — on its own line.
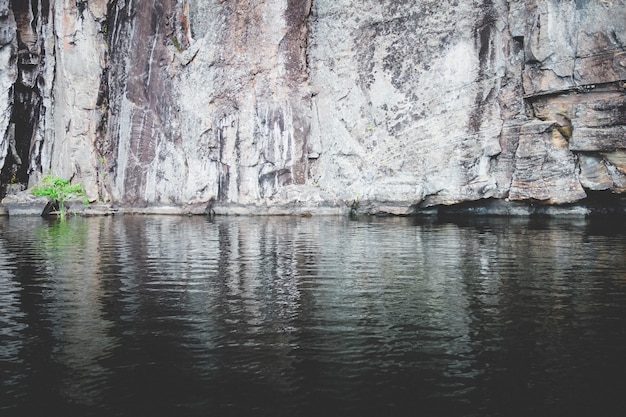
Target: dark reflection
(460,316)
(607,225)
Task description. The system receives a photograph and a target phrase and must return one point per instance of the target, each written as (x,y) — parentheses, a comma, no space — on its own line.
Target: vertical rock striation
(211,102)
(387,106)
(54,64)
(8,76)
(142,121)
(74,111)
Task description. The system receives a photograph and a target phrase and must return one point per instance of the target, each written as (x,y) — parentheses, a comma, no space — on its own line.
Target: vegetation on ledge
(58,190)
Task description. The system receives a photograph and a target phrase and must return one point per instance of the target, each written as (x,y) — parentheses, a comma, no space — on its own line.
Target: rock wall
(51,69)
(378,106)
(211,103)
(8,77)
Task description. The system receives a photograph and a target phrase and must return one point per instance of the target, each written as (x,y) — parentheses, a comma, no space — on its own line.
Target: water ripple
(273,316)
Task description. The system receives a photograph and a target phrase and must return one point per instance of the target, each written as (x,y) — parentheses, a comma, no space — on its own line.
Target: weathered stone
(75,114)
(569,44)
(606,139)
(60,60)
(593,172)
(8,76)
(591,121)
(24,204)
(7,23)
(504,164)
(234,122)
(617,159)
(294,106)
(398,87)
(545,170)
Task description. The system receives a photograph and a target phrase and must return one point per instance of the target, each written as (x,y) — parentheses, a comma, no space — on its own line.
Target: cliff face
(397,105)
(52,61)
(208,100)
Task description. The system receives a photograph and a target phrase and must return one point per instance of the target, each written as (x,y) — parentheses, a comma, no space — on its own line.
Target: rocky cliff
(382,106)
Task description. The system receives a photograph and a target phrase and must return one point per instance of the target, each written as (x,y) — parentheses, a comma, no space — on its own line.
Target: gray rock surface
(8,76)
(285,106)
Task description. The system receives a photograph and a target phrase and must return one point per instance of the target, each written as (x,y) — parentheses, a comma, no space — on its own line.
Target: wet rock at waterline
(297,106)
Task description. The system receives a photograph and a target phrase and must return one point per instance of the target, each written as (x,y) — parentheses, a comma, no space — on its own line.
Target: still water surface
(178,316)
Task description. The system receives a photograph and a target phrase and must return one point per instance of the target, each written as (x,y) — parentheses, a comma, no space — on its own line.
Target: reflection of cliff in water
(240,314)
(53,269)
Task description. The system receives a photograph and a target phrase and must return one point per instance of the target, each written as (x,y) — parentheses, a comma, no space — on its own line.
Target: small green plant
(176,43)
(354,207)
(58,190)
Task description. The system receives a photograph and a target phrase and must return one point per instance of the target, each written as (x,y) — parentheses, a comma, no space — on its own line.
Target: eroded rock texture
(211,102)
(573,78)
(394,105)
(51,69)
(8,76)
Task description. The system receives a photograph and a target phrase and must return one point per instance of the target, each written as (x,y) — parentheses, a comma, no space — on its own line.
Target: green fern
(59,190)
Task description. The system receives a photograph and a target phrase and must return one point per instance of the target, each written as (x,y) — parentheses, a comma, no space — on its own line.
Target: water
(184,316)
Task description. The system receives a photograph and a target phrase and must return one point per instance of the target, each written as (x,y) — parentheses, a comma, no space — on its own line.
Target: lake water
(188,316)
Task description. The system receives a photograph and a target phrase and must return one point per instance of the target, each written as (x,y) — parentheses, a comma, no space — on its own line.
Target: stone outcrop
(8,76)
(211,105)
(380,106)
(574,77)
(53,70)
